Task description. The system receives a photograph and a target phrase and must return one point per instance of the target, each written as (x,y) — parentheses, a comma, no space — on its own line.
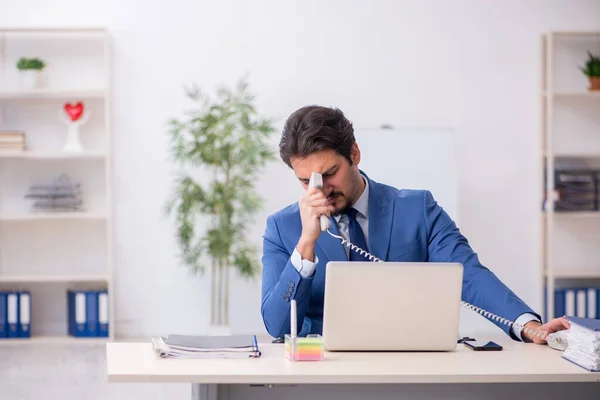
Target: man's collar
(362,204)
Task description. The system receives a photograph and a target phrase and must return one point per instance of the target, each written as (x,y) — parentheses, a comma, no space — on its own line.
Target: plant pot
(594,83)
(30,79)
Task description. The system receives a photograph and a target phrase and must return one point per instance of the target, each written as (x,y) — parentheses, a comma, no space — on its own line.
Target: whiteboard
(413,158)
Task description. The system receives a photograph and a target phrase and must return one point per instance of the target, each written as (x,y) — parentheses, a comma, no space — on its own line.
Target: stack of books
(12,141)
(584,343)
(58,196)
(576,190)
(185,346)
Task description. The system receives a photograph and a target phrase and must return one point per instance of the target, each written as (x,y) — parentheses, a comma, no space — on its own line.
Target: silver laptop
(391,306)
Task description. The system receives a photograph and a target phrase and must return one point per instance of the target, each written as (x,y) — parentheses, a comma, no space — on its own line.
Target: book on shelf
(12,141)
(187,346)
(575,190)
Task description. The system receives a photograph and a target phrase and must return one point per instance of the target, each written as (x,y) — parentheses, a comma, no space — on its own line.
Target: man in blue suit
(391,224)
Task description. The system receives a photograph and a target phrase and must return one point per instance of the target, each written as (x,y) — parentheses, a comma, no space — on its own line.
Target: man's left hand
(555,325)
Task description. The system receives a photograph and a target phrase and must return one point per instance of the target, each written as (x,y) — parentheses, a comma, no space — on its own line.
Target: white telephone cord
(540,334)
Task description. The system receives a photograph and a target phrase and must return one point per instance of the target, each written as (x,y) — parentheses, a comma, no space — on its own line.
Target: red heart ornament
(75,111)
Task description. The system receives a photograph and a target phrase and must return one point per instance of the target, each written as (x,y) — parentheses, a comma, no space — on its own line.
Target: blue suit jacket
(404,225)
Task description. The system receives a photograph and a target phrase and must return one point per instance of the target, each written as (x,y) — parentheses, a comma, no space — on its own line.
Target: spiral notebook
(186,346)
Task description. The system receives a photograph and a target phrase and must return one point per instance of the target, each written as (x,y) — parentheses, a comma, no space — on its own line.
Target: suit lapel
(332,247)
(381,215)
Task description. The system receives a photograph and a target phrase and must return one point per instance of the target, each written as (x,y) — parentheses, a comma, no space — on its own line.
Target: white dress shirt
(307,268)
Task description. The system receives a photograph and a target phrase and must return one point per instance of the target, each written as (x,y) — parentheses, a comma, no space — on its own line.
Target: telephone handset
(316,180)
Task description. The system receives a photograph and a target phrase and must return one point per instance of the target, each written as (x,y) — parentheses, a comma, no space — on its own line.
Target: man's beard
(347,201)
(347,204)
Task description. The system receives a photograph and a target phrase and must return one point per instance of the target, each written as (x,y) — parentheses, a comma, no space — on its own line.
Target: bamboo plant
(228,142)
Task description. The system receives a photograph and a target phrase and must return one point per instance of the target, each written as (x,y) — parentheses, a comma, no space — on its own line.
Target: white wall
(470,65)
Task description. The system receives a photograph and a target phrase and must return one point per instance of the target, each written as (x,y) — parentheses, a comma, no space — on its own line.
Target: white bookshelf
(570,140)
(52,94)
(65,216)
(53,340)
(48,253)
(54,278)
(43,155)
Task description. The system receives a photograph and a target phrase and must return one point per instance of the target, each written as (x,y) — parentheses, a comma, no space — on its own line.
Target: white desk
(519,371)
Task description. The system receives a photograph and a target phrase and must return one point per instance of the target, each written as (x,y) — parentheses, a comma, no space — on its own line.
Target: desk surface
(518,362)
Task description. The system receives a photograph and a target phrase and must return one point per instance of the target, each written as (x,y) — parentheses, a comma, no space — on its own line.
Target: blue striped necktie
(357,237)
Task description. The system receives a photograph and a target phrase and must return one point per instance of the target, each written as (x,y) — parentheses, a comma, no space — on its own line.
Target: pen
(293,327)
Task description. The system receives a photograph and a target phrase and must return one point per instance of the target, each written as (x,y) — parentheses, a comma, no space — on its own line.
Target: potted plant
(30,70)
(227,142)
(592,71)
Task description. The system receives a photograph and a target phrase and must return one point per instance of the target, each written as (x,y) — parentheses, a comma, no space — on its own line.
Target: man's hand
(555,325)
(312,205)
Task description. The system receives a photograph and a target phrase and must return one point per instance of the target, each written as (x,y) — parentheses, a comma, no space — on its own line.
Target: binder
(185,346)
(597,303)
(12,302)
(592,303)
(77,309)
(3,320)
(103,313)
(581,303)
(570,300)
(24,314)
(91,313)
(559,302)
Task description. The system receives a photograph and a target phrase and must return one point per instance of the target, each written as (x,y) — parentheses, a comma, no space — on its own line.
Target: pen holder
(309,348)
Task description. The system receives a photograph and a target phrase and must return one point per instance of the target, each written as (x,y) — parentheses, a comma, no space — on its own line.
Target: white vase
(30,79)
(73,144)
(219,330)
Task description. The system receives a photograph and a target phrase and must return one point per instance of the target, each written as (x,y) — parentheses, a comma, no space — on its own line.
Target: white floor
(68,372)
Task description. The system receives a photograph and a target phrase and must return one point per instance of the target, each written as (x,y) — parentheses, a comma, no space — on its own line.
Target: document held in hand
(186,346)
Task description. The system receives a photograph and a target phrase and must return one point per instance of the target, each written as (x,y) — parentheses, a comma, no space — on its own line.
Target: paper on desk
(204,347)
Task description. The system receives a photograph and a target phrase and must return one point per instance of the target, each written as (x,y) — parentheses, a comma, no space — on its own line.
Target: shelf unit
(52,94)
(48,253)
(53,340)
(570,137)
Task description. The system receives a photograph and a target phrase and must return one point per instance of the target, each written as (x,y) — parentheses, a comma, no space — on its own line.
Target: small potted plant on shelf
(592,71)
(30,70)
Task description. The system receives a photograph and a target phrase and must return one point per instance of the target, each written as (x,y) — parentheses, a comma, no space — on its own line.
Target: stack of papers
(584,343)
(184,346)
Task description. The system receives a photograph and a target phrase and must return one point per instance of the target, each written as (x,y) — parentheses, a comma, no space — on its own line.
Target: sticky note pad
(309,348)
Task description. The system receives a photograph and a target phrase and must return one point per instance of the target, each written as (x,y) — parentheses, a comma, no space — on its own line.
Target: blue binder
(560,307)
(103,313)
(91,313)
(25,314)
(3,320)
(12,314)
(591,300)
(76,304)
(581,306)
(597,303)
(587,323)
